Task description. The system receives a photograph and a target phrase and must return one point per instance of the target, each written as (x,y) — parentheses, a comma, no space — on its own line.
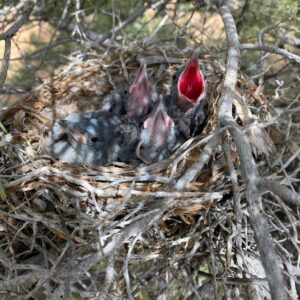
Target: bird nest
(122,230)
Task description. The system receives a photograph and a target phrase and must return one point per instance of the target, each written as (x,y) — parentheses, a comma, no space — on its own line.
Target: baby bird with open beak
(139,100)
(190,86)
(186,103)
(158,137)
(136,102)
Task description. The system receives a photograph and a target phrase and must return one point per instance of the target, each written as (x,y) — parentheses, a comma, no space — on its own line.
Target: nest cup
(81,86)
(55,203)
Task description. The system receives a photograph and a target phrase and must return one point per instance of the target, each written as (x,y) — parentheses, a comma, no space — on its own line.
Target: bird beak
(139,98)
(158,127)
(190,86)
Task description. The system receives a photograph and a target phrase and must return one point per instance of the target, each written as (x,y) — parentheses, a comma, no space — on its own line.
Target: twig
(280,190)
(242,16)
(271,49)
(263,55)
(235,189)
(7,36)
(98,38)
(197,167)
(290,160)
(126,263)
(12,30)
(5,63)
(44,172)
(22,282)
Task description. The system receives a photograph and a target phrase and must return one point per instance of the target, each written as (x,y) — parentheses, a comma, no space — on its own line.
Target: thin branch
(5,63)
(235,188)
(22,282)
(197,167)
(98,38)
(242,16)
(280,190)
(7,36)
(271,49)
(12,30)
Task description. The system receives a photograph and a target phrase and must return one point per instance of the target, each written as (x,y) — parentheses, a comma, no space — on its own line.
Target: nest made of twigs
(71,204)
(81,86)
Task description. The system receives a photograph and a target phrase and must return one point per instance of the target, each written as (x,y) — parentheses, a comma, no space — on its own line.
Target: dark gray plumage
(95,138)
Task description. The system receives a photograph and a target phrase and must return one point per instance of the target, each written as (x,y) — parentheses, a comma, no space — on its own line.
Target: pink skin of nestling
(139,100)
(158,128)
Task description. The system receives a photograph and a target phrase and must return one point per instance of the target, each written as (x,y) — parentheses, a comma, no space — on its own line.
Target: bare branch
(248,165)
(98,38)
(242,16)
(5,63)
(280,190)
(12,30)
(7,35)
(271,49)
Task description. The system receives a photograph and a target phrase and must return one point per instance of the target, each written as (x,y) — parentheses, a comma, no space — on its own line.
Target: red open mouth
(191,85)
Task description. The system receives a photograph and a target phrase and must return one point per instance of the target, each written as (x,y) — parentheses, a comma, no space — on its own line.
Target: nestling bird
(139,100)
(190,86)
(136,102)
(158,136)
(100,138)
(95,138)
(186,103)
(132,126)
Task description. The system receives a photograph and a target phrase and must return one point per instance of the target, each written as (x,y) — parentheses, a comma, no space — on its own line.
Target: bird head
(157,136)
(190,86)
(139,98)
(158,127)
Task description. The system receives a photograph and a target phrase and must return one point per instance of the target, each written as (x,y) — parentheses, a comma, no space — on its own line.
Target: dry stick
(235,189)
(242,16)
(5,62)
(197,167)
(42,172)
(134,229)
(285,53)
(248,166)
(7,36)
(295,155)
(280,190)
(261,61)
(21,283)
(263,55)
(126,264)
